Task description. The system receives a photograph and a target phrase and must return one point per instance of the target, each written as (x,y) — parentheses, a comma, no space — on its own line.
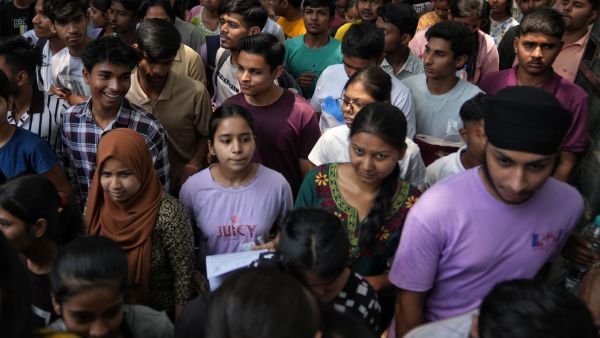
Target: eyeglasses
(355,106)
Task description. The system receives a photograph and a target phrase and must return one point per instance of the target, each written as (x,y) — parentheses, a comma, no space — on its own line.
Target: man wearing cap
(503,220)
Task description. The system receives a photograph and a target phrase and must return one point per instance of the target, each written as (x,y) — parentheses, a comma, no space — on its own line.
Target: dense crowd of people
(398,168)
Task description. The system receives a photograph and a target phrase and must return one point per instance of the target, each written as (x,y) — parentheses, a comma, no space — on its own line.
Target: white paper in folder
(219,266)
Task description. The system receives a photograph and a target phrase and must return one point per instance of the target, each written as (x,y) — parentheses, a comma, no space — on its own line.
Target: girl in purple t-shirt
(235,202)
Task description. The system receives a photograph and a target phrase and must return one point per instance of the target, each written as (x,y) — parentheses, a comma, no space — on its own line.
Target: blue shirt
(26,153)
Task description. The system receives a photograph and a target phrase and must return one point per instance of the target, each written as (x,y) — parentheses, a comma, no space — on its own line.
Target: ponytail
(70,224)
(33,197)
(472,61)
(383,200)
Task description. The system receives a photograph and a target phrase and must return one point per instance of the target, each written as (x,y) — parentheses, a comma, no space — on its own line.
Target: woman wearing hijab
(126,204)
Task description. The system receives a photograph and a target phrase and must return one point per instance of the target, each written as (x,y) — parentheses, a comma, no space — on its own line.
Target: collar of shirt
(579,43)
(411,65)
(178,57)
(137,94)
(35,107)
(121,119)
(550,86)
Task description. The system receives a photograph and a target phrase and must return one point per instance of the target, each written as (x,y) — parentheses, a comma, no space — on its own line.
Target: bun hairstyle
(377,83)
(34,197)
(388,123)
(468,8)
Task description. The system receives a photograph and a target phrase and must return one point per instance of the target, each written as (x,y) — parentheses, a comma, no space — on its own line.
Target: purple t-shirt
(459,241)
(286,131)
(570,95)
(230,219)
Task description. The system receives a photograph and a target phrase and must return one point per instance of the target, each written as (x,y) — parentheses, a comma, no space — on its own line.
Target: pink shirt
(571,96)
(567,62)
(487,57)
(193,12)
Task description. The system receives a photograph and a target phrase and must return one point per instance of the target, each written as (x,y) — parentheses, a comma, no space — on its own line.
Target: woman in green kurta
(366,194)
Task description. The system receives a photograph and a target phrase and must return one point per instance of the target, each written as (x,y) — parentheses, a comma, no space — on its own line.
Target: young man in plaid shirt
(108,63)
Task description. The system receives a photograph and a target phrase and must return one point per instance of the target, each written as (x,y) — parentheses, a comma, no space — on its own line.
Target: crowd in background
(403,166)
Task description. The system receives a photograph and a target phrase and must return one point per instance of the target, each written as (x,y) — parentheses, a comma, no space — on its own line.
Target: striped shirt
(81,134)
(43,118)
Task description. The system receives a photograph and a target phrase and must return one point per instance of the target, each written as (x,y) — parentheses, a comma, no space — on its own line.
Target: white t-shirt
(446,166)
(274,28)
(332,147)
(30,35)
(330,86)
(227,84)
(44,72)
(67,72)
(497,29)
(455,327)
(438,115)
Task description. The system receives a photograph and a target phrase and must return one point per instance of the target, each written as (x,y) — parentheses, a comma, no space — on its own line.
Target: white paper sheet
(219,266)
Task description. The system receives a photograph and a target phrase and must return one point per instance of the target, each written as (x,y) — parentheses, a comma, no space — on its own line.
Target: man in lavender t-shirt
(503,220)
(286,125)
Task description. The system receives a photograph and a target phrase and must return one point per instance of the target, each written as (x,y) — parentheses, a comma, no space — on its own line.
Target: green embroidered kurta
(320,189)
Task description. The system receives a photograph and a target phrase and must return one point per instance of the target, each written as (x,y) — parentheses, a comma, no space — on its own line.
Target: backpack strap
(226,54)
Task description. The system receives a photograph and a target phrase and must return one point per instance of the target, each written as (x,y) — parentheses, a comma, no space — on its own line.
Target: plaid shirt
(81,134)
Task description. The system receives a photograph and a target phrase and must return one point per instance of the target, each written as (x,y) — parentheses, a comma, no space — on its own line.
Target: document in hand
(219,266)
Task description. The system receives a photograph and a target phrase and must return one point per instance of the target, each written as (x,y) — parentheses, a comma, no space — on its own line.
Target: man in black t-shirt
(16,16)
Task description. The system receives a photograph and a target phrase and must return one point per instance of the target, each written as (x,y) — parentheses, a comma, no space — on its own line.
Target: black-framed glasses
(344,102)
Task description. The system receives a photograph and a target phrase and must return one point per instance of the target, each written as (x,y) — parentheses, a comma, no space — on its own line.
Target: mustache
(156,77)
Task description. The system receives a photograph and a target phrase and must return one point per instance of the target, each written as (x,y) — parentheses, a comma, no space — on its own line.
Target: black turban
(526,119)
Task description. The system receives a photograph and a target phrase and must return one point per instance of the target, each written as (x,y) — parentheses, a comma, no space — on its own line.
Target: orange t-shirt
(292,29)
(427,20)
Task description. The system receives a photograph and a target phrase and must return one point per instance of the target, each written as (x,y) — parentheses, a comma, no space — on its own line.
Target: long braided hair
(388,123)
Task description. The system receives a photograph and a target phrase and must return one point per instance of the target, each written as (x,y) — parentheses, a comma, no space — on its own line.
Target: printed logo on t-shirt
(236,230)
(227,83)
(75,84)
(452,127)
(546,240)
(19,23)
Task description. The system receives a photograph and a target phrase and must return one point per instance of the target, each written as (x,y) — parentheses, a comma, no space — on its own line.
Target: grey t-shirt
(142,321)
(438,115)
